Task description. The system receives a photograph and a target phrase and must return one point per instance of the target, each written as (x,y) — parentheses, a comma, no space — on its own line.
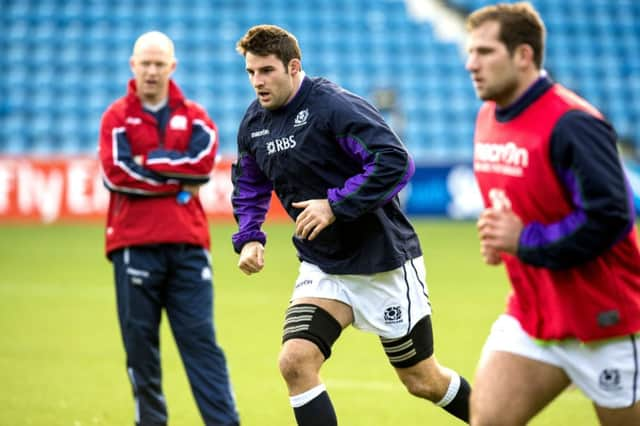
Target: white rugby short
(606,372)
(388,303)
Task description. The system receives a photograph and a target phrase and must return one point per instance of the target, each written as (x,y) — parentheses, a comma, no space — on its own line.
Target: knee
(291,365)
(140,337)
(422,387)
(296,362)
(197,337)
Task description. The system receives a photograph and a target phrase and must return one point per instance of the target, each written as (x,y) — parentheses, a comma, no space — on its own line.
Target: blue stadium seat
(69,60)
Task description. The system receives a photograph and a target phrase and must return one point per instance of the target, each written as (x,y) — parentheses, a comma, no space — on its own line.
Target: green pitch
(62,362)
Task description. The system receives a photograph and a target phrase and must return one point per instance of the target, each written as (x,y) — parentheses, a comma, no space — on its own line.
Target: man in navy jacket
(337,168)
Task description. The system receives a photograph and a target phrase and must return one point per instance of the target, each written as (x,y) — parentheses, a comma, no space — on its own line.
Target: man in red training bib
(559,214)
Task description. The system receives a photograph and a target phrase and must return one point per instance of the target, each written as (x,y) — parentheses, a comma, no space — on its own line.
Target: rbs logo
(280,144)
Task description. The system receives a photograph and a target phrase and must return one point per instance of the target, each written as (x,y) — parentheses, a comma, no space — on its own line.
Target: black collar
(298,98)
(534,91)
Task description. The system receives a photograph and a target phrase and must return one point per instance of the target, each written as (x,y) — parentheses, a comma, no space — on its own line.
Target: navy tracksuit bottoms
(177,278)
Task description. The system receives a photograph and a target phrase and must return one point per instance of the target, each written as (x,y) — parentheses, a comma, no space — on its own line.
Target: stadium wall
(47,190)
(34,189)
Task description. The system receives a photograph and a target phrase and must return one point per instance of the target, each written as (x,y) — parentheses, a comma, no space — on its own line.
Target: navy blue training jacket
(326,143)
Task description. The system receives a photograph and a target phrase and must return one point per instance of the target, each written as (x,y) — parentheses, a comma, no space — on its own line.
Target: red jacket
(595,300)
(143,208)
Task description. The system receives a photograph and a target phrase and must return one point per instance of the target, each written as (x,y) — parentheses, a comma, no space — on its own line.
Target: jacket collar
(297,99)
(537,89)
(176,98)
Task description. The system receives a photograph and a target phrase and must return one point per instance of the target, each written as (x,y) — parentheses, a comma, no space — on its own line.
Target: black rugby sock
(457,403)
(315,412)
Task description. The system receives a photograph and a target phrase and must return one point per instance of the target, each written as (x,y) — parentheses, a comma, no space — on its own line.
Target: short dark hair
(519,23)
(264,40)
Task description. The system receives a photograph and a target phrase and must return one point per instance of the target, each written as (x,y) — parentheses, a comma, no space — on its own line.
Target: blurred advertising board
(34,189)
(448,190)
(70,188)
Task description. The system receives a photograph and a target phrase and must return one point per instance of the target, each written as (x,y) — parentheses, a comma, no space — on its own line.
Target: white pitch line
(362,385)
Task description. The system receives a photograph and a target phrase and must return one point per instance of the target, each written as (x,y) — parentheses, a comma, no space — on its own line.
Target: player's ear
(294,66)
(131,63)
(524,55)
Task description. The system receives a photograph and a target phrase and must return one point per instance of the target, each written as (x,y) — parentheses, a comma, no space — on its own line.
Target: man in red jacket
(559,214)
(156,149)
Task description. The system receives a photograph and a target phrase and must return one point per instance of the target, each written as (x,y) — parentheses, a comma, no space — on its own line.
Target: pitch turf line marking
(57,289)
(570,393)
(362,385)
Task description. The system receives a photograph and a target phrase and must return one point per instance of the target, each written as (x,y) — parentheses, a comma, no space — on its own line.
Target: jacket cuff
(241,238)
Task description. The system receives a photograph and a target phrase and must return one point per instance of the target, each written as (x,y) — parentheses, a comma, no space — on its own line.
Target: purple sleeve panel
(250,200)
(538,235)
(386,169)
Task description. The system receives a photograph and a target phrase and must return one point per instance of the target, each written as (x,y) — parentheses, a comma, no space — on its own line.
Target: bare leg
(438,384)
(510,389)
(427,379)
(300,362)
(300,359)
(629,416)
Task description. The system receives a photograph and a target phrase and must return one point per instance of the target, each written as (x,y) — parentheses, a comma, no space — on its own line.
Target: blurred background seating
(64,62)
